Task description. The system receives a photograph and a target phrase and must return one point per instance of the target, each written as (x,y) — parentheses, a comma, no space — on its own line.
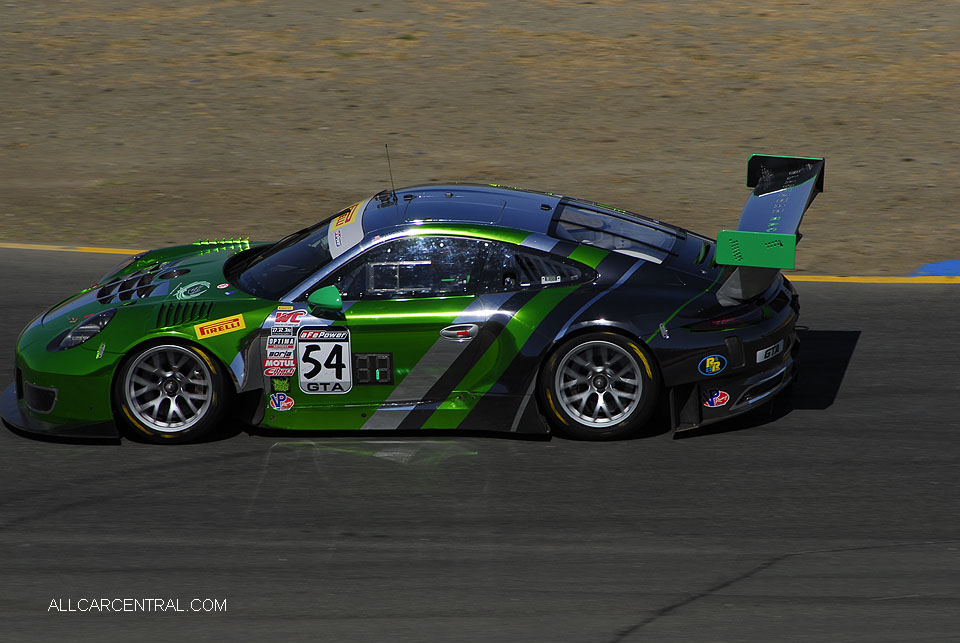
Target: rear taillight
(731,319)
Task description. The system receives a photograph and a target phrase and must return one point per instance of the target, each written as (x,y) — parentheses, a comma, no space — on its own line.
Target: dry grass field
(144,123)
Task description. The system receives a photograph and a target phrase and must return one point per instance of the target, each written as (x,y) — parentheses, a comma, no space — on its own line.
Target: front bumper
(18,417)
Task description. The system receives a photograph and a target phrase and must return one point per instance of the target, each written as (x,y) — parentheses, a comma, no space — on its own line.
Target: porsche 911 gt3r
(433,307)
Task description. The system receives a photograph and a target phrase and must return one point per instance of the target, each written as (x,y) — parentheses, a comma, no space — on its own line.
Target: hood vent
(177,313)
(136,285)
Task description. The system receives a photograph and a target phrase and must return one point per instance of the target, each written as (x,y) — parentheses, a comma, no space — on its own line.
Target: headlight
(83,331)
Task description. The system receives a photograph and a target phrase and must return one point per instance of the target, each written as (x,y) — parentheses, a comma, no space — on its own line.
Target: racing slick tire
(599,386)
(169,393)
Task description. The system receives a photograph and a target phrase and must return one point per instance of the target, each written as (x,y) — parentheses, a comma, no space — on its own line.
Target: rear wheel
(170,393)
(599,386)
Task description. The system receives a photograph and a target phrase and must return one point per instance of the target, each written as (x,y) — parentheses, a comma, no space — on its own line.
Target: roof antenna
(393,188)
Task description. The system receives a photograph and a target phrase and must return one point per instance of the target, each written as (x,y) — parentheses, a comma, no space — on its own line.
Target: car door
(410,310)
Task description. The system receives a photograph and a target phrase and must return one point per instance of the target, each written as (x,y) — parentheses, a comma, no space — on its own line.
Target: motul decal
(281,363)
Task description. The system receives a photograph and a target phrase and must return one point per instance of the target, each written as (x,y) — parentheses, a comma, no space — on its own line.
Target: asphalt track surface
(833,517)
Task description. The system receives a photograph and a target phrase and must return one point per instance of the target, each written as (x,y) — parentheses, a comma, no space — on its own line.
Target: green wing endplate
(756,249)
(767,235)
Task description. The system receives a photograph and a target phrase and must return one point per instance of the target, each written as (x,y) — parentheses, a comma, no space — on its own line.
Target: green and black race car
(433,307)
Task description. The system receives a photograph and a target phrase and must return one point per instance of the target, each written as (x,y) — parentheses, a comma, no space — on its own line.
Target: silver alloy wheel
(599,383)
(168,388)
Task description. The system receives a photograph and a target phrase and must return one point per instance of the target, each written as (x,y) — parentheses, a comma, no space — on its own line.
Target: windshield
(274,270)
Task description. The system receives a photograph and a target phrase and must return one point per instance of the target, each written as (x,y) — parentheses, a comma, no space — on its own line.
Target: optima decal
(715,397)
(219,326)
(712,365)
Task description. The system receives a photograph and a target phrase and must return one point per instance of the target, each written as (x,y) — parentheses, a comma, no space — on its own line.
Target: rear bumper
(18,417)
(701,403)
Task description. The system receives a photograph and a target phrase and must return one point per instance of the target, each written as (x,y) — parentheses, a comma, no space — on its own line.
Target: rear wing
(765,240)
(767,235)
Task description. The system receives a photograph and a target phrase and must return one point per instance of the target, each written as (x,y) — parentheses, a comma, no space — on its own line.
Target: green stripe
(507,235)
(589,255)
(685,304)
(458,404)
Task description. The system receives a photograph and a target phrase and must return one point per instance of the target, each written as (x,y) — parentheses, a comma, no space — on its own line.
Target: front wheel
(599,386)
(169,393)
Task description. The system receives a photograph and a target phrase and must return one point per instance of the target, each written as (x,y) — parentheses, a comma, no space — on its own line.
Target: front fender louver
(177,313)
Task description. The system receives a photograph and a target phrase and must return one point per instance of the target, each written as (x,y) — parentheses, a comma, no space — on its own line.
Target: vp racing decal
(281,402)
(325,360)
(715,397)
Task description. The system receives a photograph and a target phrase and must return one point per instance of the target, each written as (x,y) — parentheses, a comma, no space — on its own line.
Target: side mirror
(326,299)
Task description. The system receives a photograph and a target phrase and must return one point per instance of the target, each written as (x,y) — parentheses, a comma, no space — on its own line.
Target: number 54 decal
(324,359)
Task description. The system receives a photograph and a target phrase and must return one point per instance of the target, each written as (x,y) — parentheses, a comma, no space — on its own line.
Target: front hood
(182,273)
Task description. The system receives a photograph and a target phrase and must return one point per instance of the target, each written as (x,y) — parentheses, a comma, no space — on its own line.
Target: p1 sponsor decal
(288,332)
(346,231)
(281,402)
(189,291)
(767,353)
(219,326)
(712,365)
(325,360)
(715,397)
(223,286)
(346,218)
(273,353)
(280,385)
(276,371)
(280,343)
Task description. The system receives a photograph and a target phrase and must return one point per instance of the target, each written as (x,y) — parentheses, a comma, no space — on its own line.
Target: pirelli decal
(219,326)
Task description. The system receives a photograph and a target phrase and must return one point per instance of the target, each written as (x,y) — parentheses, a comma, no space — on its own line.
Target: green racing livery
(432,307)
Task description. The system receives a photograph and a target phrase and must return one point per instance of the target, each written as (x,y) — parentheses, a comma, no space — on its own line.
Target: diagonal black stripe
(488,334)
(491,409)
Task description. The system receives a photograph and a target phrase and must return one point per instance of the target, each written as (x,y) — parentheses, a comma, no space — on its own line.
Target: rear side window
(509,268)
(611,232)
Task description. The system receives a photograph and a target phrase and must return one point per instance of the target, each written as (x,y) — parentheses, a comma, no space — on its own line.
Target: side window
(509,268)
(621,233)
(412,267)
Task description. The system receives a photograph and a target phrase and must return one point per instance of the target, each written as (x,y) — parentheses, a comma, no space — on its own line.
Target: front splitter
(15,418)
